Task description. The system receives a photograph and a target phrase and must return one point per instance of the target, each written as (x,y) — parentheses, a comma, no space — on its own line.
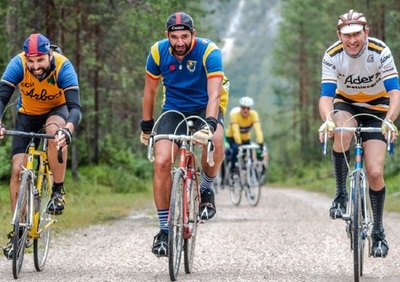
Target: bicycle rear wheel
(357,226)
(190,229)
(235,189)
(253,191)
(21,221)
(41,244)
(175,237)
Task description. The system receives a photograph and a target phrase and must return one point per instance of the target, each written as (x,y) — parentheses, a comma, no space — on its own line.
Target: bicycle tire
(253,187)
(21,220)
(235,189)
(190,230)
(261,172)
(357,222)
(366,215)
(41,244)
(175,236)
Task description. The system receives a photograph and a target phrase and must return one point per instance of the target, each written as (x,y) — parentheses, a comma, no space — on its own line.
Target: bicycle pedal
(345,217)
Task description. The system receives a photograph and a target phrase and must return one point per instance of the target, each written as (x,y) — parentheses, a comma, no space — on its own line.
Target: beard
(39,73)
(181,50)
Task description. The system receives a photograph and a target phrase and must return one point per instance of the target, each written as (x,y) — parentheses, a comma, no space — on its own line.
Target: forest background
(272,52)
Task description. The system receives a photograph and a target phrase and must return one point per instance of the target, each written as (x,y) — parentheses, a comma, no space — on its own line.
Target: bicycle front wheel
(253,191)
(175,237)
(190,230)
(41,244)
(235,189)
(356,227)
(21,222)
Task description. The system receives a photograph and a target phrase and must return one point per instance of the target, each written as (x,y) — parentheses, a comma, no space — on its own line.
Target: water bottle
(36,199)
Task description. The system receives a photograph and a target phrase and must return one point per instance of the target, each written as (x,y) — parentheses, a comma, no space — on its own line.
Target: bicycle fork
(366,224)
(31,203)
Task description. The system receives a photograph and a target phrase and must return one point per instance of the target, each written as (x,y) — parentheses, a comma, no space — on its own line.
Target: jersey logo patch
(51,80)
(191,65)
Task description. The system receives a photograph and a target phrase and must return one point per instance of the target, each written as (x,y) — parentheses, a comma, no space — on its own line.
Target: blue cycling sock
(163,218)
(206,183)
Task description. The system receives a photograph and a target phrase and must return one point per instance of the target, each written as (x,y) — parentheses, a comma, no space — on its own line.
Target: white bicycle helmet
(246,102)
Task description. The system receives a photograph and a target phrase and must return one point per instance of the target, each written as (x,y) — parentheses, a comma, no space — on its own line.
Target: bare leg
(18,160)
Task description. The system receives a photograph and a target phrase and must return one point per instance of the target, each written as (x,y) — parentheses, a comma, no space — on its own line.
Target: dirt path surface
(287,237)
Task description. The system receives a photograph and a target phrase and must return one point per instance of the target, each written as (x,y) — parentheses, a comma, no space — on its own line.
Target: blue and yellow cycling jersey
(40,97)
(185,82)
(240,126)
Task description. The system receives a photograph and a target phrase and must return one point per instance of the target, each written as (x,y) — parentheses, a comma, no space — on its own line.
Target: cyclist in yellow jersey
(242,120)
(48,94)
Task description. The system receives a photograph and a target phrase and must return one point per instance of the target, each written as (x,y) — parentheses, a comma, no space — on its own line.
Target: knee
(16,170)
(161,164)
(375,175)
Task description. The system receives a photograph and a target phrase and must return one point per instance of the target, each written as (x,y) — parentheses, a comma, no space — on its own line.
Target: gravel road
(287,237)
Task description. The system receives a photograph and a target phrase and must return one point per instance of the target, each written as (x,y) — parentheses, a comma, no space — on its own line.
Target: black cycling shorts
(364,120)
(169,122)
(29,123)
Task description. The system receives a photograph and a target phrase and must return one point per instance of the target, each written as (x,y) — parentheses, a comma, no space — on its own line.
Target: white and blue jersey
(363,81)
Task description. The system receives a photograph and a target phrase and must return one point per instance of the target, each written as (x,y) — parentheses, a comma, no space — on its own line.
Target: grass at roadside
(91,200)
(322,180)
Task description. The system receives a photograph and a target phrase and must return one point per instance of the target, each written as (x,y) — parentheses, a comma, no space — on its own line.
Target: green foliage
(5,149)
(100,195)
(120,155)
(118,179)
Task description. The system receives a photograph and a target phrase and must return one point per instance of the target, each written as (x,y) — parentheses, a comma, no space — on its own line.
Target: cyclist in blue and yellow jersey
(359,75)
(48,94)
(191,71)
(242,120)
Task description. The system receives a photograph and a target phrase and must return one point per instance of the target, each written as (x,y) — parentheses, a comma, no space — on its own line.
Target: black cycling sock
(341,170)
(377,199)
(57,186)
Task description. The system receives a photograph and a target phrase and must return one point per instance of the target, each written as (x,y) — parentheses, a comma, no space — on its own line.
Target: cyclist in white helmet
(359,76)
(242,120)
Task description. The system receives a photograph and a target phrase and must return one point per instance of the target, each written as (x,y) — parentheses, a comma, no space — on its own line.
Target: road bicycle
(223,176)
(247,177)
(183,217)
(30,221)
(358,217)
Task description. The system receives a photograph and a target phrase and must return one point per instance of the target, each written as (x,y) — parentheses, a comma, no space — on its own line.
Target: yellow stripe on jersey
(335,49)
(155,53)
(210,47)
(376,47)
(363,97)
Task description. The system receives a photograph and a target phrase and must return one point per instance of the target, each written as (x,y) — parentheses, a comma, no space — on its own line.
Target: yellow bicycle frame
(42,172)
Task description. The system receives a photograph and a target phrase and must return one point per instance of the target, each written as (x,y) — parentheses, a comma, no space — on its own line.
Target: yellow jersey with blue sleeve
(240,126)
(37,97)
(185,82)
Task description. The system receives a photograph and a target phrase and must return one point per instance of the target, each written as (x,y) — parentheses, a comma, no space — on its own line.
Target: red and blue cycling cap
(36,45)
(180,21)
